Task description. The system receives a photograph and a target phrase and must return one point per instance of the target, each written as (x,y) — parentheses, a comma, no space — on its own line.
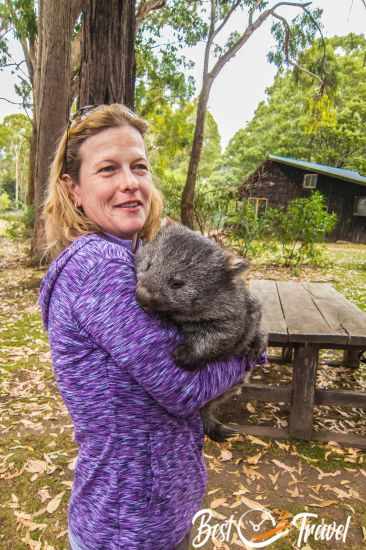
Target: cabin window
(260,204)
(310,181)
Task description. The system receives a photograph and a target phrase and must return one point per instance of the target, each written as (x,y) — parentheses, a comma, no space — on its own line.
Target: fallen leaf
(254,459)
(71,465)
(251,473)
(257,441)
(218,502)
(55,503)
(36,466)
(252,504)
(289,469)
(43,495)
(242,491)
(274,477)
(67,484)
(293,492)
(323,503)
(226,455)
(328,474)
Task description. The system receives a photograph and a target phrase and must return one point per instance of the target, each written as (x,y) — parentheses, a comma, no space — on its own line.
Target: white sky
(241,84)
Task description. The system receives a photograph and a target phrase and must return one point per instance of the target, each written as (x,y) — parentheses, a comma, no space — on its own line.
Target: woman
(140,475)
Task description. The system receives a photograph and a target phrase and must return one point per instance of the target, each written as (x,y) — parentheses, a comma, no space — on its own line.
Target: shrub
(248,227)
(21,228)
(5,202)
(305,223)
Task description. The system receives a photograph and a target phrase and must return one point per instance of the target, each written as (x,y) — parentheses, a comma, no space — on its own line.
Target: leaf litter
(37,452)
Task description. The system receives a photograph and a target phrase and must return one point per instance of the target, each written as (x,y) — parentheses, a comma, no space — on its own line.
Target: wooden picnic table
(307,317)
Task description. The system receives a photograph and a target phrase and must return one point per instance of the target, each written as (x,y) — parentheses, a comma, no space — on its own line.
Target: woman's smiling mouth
(130,205)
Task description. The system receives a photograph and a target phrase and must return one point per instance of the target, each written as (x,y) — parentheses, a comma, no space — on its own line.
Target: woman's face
(115,183)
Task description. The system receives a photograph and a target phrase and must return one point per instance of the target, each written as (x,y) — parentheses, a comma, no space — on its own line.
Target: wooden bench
(307,317)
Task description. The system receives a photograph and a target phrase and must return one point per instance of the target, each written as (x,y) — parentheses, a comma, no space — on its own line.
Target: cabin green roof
(339,173)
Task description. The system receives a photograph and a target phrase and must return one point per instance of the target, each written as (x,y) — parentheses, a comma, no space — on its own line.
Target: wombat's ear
(235,264)
(165,222)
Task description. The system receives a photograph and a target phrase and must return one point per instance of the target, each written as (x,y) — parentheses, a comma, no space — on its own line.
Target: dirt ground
(253,482)
(288,477)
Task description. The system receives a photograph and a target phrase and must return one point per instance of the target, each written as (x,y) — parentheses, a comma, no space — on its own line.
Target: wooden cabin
(278,180)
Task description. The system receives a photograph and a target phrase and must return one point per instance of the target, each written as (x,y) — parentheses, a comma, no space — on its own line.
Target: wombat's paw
(220,433)
(185,360)
(257,347)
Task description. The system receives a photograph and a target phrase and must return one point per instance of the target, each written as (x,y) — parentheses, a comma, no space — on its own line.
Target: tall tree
(52,97)
(107,72)
(46,35)
(108,53)
(289,37)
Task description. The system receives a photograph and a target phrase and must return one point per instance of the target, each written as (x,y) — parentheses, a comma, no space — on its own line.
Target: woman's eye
(141,167)
(109,168)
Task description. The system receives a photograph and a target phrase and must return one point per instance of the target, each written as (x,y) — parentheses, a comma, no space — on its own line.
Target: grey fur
(189,280)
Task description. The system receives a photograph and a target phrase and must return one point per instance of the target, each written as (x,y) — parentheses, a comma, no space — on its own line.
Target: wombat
(190,280)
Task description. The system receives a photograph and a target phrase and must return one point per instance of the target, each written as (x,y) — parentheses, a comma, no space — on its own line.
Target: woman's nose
(128,180)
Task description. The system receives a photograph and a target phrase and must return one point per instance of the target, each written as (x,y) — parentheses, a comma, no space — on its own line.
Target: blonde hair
(64,222)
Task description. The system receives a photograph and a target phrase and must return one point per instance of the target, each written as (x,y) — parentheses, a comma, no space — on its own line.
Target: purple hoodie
(140,475)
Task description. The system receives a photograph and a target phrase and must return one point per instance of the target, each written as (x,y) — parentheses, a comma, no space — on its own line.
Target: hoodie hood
(57,266)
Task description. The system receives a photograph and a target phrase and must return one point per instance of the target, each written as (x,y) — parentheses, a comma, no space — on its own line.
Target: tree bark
(51,105)
(108,53)
(32,159)
(187,212)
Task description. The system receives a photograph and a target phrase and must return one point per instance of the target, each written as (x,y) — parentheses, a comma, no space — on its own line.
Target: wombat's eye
(176,283)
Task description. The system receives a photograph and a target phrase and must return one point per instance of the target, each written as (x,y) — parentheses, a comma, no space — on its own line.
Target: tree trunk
(108,53)
(32,159)
(187,215)
(17,175)
(52,84)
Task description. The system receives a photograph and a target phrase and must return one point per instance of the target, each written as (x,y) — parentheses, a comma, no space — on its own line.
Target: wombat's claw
(221,434)
(217,431)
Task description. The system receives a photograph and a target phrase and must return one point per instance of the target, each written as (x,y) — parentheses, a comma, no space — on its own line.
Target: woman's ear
(74,189)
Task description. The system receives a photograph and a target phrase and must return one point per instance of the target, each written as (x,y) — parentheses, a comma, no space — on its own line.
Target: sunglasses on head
(79,115)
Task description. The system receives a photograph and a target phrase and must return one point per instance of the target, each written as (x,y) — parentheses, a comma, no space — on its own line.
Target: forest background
(316,113)
(313,110)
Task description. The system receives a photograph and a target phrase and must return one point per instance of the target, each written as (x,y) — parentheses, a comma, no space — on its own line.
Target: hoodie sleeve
(107,310)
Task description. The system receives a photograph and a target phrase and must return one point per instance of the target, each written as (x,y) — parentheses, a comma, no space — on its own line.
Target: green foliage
(305,223)
(18,20)
(248,227)
(303,28)
(5,202)
(163,89)
(15,134)
(21,227)
(211,207)
(296,121)
(169,143)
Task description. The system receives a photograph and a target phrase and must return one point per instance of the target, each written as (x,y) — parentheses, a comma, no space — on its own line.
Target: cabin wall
(280,184)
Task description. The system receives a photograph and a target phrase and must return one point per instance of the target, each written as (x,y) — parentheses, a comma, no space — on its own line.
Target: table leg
(303,390)
(287,354)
